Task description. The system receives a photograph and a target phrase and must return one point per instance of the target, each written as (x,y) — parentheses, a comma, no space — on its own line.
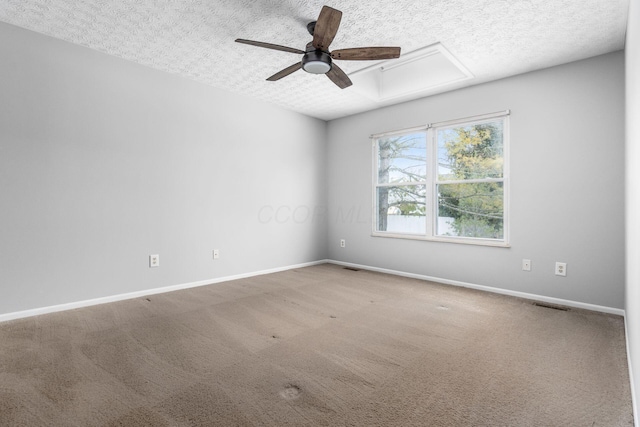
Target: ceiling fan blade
(284,73)
(270,46)
(366,53)
(339,77)
(326,27)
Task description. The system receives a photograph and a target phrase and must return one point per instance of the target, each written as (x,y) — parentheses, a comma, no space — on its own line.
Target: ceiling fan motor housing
(316,62)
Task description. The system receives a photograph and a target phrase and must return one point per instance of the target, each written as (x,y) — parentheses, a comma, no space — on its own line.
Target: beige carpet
(316,346)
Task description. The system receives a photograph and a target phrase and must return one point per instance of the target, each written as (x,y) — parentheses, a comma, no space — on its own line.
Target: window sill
(460,241)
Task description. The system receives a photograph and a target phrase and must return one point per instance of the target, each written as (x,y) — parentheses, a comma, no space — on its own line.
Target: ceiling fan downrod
(311,26)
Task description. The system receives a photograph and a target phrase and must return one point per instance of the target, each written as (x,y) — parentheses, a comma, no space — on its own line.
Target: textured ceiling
(195,38)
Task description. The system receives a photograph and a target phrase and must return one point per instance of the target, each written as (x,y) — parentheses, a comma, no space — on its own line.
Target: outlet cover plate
(561,268)
(154,260)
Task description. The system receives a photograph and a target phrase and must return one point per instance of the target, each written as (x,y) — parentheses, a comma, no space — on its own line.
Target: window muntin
(444,182)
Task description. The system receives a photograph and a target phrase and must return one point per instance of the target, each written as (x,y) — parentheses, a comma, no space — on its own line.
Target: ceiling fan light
(316,67)
(316,62)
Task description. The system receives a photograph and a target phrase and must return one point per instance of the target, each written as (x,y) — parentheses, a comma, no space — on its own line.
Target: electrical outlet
(561,268)
(526,265)
(216,253)
(154,260)
(343,243)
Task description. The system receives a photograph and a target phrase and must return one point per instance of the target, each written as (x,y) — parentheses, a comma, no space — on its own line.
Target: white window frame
(431,181)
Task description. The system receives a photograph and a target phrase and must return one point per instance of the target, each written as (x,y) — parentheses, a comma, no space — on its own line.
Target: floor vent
(352,269)
(555,307)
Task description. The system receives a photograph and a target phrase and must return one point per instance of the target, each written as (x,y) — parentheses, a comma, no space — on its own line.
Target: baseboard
(631,381)
(534,297)
(120,297)
(138,294)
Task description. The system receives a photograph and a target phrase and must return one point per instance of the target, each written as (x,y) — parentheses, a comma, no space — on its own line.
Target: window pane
(402,158)
(401,209)
(470,151)
(471,210)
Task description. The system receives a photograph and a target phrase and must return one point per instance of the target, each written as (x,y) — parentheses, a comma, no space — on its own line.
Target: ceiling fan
(317,59)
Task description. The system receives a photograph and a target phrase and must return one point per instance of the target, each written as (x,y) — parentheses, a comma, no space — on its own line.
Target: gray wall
(103,162)
(632,63)
(567,185)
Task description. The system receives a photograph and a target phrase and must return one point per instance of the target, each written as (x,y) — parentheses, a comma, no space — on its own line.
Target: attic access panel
(412,74)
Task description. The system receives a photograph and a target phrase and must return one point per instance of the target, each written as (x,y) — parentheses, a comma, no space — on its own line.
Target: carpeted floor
(316,346)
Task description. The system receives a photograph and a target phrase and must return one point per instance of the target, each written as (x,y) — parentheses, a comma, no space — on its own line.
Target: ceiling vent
(412,75)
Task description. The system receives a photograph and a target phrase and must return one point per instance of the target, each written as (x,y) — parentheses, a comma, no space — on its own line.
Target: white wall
(632,56)
(567,185)
(103,162)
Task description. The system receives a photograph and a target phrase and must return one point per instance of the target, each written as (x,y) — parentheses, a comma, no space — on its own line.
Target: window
(446,181)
